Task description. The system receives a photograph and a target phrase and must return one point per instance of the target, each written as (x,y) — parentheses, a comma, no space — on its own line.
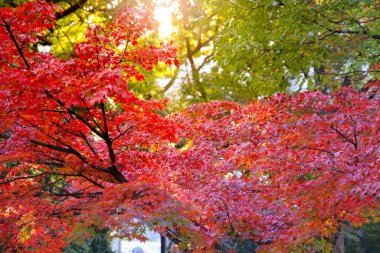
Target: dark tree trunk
(339,241)
(163,244)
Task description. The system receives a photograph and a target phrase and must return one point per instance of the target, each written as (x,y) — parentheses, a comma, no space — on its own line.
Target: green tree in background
(365,239)
(198,25)
(242,50)
(97,243)
(275,44)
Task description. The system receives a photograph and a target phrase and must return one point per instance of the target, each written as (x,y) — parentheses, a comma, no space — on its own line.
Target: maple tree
(287,170)
(80,150)
(71,129)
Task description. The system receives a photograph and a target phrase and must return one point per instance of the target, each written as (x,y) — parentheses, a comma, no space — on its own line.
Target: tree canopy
(316,44)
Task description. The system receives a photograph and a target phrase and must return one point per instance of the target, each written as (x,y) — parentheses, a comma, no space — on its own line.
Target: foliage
(80,150)
(242,50)
(74,20)
(363,239)
(71,120)
(286,170)
(194,36)
(72,23)
(273,45)
(224,44)
(197,26)
(98,243)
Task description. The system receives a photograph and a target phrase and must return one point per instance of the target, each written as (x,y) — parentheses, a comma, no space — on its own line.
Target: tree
(79,150)
(66,124)
(200,78)
(71,23)
(195,37)
(254,49)
(95,244)
(363,239)
(312,45)
(286,171)
(305,44)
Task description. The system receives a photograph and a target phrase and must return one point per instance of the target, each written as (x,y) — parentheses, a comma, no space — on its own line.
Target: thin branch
(49,157)
(76,195)
(65,130)
(59,173)
(88,143)
(11,64)
(64,34)
(288,161)
(9,180)
(69,149)
(228,216)
(7,26)
(318,149)
(52,110)
(104,118)
(89,112)
(59,214)
(86,122)
(373,36)
(172,80)
(345,137)
(125,49)
(369,20)
(71,9)
(55,164)
(77,115)
(122,133)
(50,146)
(337,131)
(92,181)
(206,60)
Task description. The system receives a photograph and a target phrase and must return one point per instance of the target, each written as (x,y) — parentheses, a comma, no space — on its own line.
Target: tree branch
(228,216)
(113,169)
(337,131)
(50,146)
(89,112)
(172,80)
(88,143)
(122,133)
(7,26)
(9,180)
(77,115)
(320,150)
(71,9)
